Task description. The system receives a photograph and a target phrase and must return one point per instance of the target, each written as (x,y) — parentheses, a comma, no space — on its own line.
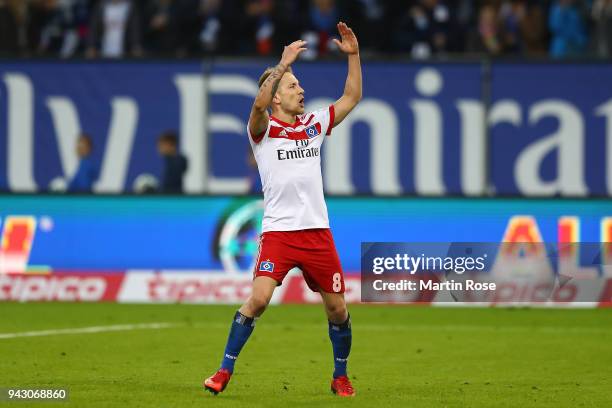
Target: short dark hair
(170,137)
(87,138)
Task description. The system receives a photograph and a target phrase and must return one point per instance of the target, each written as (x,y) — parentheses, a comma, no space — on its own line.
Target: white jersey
(116,17)
(289,161)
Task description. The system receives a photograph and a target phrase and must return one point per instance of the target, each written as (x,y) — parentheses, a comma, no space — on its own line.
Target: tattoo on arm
(274,78)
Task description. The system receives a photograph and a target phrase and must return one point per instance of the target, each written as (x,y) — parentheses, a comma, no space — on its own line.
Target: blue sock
(341,338)
(242,327)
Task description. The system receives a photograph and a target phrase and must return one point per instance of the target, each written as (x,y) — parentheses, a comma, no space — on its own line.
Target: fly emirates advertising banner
(425,129)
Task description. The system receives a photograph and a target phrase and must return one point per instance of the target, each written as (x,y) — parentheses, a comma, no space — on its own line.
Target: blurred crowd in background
(417,28)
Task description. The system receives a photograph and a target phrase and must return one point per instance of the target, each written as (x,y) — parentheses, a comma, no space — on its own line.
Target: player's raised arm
(352,89)
(258,119)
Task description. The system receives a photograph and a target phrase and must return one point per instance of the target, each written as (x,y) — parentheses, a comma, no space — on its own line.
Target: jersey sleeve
(325,117)
(258,137)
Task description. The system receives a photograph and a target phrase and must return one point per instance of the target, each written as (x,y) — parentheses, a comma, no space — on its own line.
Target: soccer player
(286,145)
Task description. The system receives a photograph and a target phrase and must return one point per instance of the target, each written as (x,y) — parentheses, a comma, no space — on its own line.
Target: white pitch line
(359,327)
(86,330)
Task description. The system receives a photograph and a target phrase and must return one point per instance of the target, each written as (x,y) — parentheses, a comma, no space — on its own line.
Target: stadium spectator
(13,17)
(230,27)
(424,30)
(243,27)
(421,28)
(259,13)
(439,17)
(170,25)
(533,30)
(567,28)
(57,27)
(487,38)
(465,11)
(289,18)
(175,164)
(602,18)
(87,172)
(45,26)
(210,24)
(369,18)
(512,14)
(320,27)
(115,29)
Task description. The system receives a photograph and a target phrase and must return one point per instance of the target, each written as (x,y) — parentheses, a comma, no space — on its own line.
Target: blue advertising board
(551,129)
(123,107)
(221,233)
(425,129)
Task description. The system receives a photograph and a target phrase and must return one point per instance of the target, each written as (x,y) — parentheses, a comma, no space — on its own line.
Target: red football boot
(342,386)
(218,381)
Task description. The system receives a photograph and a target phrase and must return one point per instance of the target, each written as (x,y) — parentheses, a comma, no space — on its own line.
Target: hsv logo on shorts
(312,131)
(266,266)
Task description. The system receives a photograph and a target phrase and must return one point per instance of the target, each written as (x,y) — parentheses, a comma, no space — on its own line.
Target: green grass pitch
(402,356)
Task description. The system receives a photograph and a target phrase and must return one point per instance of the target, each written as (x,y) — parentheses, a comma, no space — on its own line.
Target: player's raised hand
(292,51)
(349,44)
